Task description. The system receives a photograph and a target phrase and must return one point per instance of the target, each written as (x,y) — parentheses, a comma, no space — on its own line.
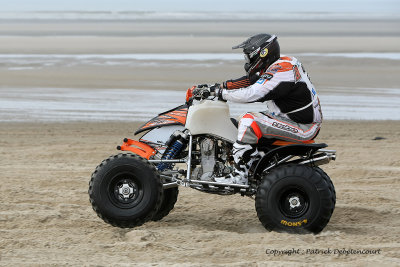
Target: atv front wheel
(295,198)
(125,190)
(169,199)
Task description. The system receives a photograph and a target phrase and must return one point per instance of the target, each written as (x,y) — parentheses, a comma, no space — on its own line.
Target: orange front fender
(136,147)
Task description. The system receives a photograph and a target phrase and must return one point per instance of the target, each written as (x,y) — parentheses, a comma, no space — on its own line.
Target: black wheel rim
(294,202)
(125,190)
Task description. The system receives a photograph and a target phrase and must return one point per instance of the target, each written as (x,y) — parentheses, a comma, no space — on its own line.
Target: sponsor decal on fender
(294,224)
(284,127)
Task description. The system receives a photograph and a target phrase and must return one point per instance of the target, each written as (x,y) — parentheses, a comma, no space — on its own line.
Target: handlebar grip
(205,94)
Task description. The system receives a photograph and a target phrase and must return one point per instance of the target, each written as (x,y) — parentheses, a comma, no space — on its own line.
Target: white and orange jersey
(286,88)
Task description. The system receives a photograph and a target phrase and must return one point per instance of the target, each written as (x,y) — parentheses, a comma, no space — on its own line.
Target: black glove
(216,90)
(215,87)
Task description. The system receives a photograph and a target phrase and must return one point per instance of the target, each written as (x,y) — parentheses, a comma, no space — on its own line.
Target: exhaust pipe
(323,159)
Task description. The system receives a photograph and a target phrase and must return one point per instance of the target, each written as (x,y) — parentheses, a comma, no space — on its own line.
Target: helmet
(260,51)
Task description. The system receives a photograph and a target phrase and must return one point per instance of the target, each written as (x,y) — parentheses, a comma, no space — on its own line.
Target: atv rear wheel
(295,198)
(169,199)
(125,190)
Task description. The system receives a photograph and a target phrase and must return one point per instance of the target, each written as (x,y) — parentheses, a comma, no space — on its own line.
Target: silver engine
(212,161)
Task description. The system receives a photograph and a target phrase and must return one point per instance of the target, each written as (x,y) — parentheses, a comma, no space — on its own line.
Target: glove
(216,90)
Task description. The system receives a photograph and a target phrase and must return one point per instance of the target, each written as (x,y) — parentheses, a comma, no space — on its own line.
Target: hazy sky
(364,6)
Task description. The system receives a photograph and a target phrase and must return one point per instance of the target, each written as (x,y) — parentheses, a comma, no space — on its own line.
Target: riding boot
(243,155)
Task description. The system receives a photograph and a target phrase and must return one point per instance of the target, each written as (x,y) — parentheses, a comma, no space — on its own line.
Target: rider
(294,111)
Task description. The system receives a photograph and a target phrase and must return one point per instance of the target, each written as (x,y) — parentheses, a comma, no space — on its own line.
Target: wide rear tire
(125,190)
(295,198)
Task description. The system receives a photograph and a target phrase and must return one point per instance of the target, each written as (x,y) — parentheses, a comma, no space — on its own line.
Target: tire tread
(317,176)
(130,223)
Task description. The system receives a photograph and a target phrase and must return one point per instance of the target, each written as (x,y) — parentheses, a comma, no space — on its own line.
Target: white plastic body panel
(161,135)
(211,117)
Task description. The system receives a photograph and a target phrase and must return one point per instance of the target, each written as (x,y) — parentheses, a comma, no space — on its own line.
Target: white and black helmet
(260,51)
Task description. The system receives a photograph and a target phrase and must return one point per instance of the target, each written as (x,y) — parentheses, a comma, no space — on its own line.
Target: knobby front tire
(125,190)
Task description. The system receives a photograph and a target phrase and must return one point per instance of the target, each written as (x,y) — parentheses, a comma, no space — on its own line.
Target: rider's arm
(266,88)
(236,83)
(240,82)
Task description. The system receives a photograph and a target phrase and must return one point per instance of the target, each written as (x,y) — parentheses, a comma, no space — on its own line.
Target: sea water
(39,61)
(66,104)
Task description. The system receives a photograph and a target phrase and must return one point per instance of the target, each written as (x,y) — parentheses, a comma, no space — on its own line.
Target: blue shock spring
(170,153)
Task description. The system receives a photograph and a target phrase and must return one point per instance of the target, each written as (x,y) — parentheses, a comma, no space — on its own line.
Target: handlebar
(202,92)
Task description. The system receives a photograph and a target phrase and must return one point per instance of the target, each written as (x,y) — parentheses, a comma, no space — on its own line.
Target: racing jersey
(286,88)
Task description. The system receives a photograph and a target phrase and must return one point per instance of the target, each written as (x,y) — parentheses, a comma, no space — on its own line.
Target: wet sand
(116,37)
(46,218)
(324,72)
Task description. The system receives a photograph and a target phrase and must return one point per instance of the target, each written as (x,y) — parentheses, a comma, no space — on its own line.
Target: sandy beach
(45,215)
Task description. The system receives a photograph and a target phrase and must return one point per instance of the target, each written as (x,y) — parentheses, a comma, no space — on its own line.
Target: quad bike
(189,146)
